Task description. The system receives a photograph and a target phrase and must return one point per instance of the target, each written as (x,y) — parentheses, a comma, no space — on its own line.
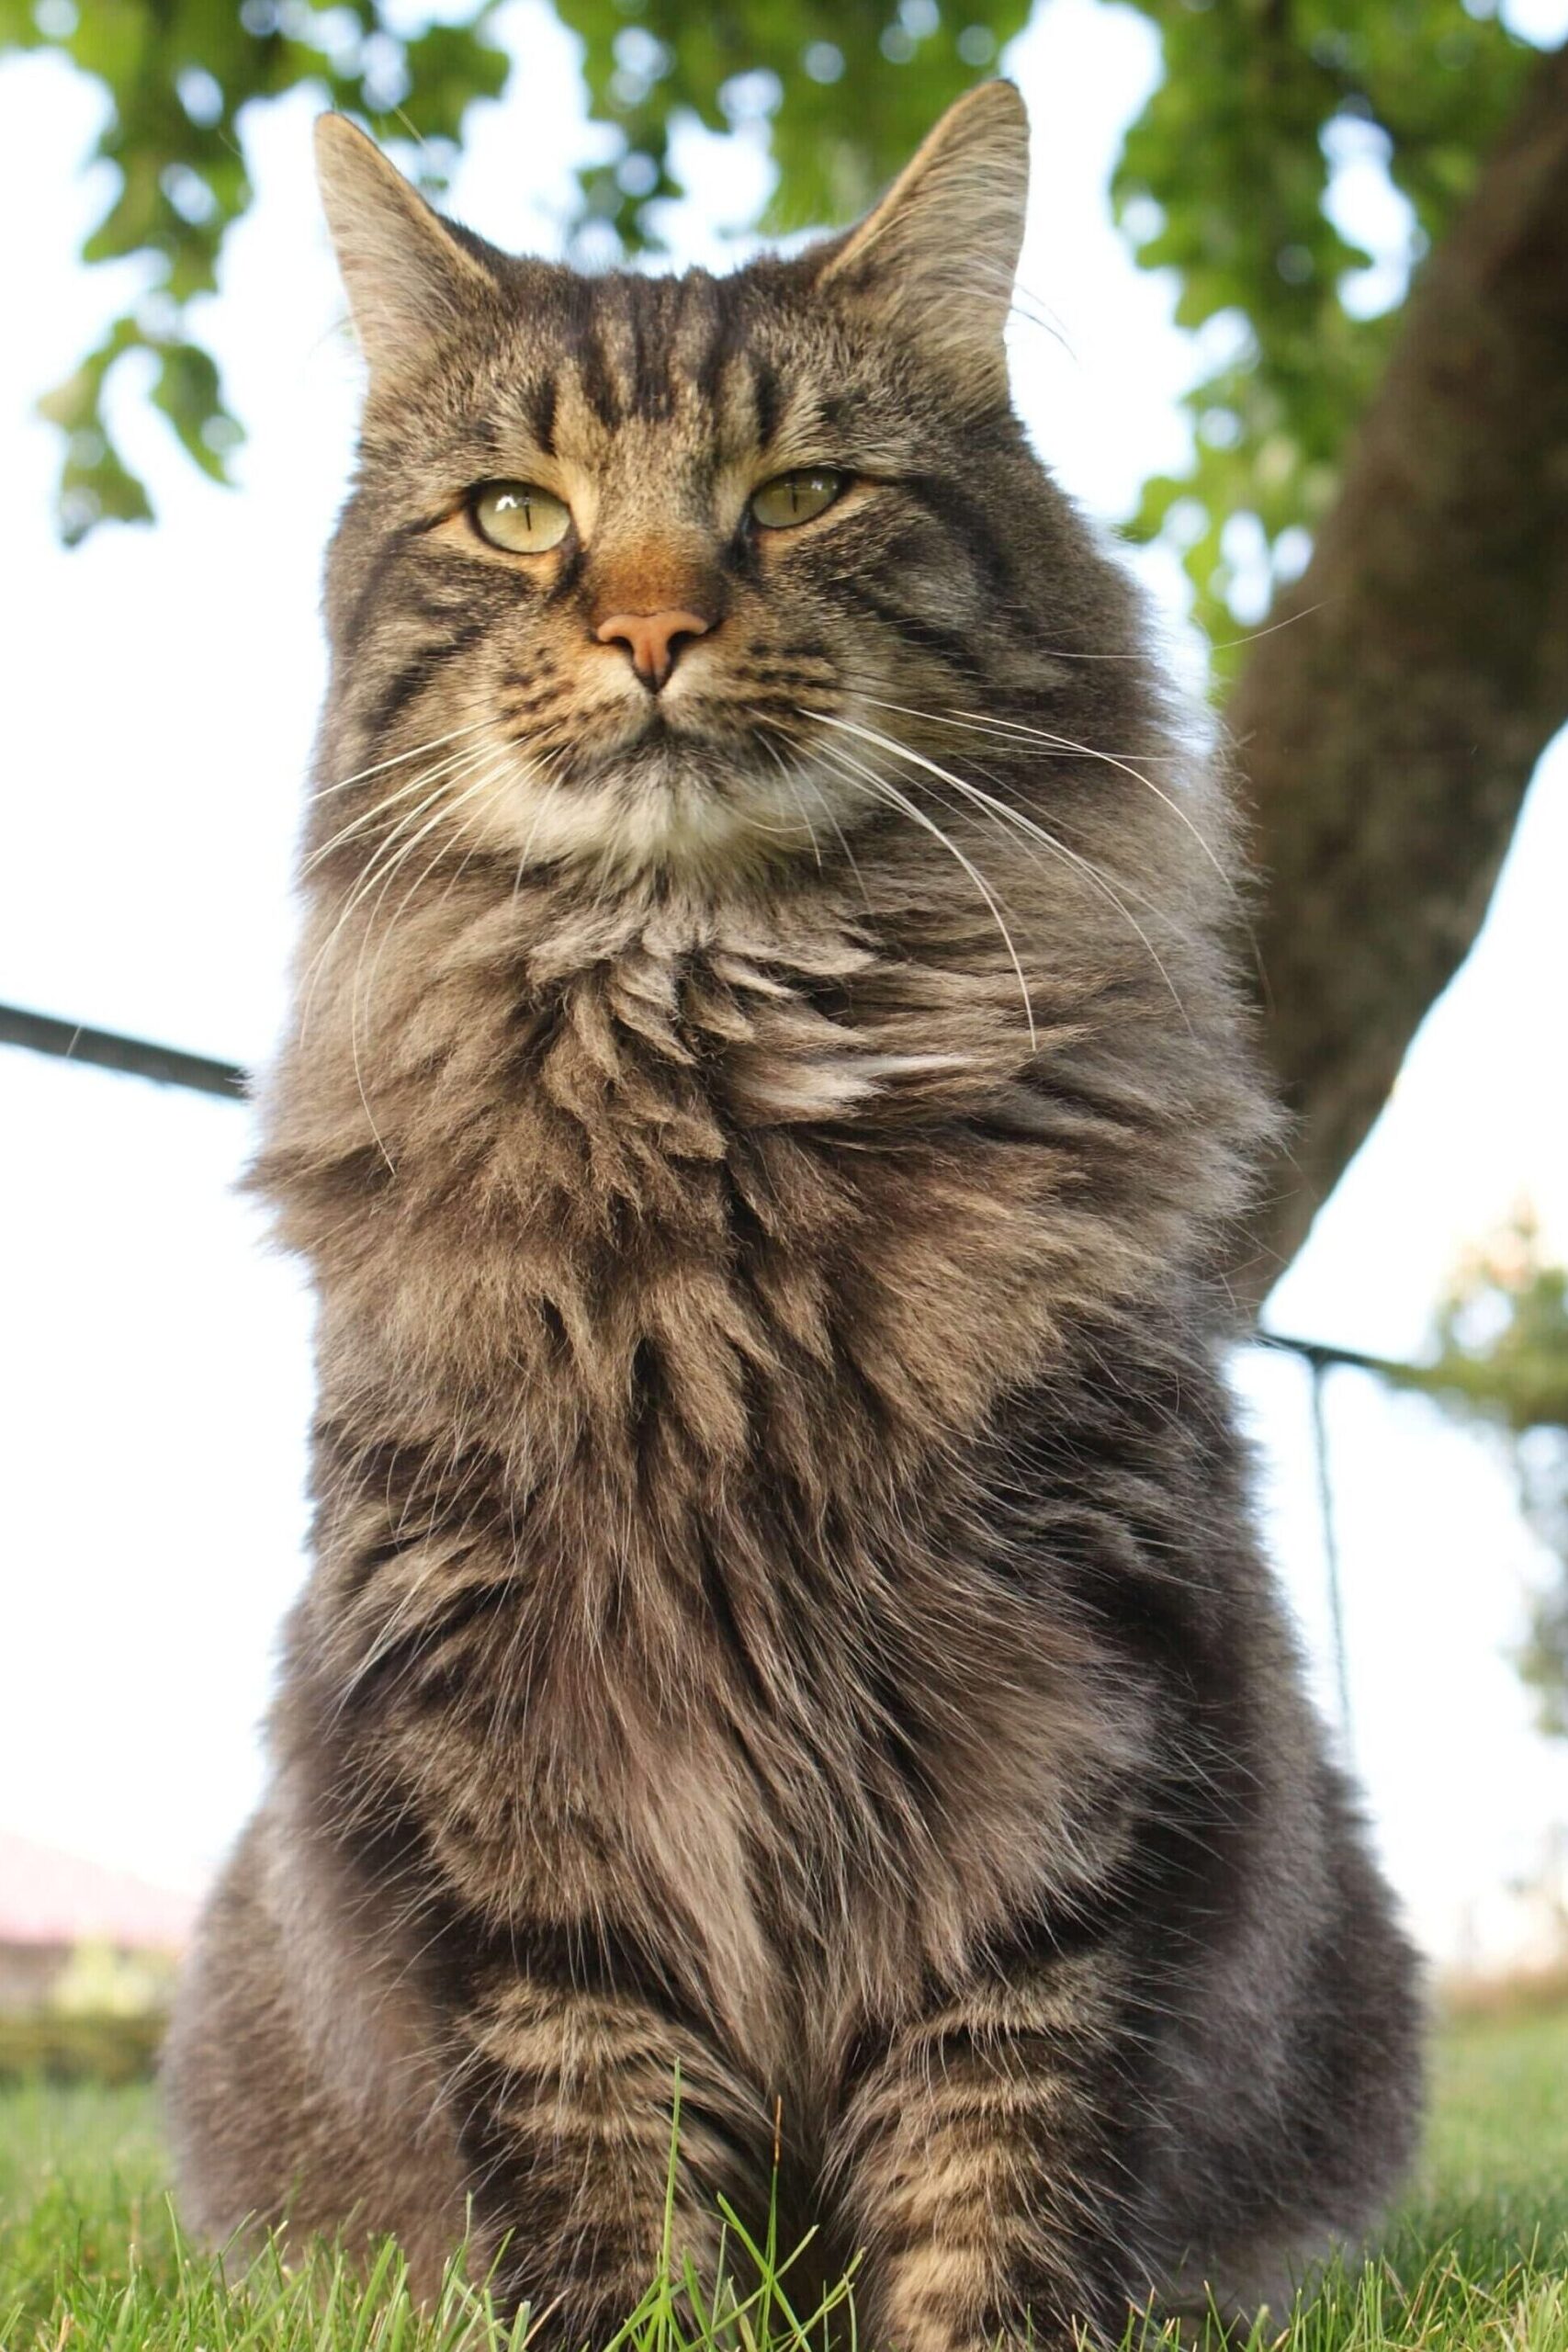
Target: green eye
(520,516)
(796,497)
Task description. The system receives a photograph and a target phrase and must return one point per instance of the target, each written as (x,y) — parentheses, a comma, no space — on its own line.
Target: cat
(767,1111)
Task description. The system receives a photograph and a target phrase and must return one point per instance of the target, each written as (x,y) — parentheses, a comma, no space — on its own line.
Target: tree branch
(1389,736)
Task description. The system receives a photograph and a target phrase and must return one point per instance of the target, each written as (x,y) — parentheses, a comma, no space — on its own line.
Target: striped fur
(785,1604)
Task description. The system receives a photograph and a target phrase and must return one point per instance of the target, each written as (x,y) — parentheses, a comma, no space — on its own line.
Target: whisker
(384,848)
(1011,728)
(1014,726)
(1029,827)
(367,817)
(388,870)
(1270,629)
(1023,297)
(1067,747)
(798,768)
(794,790)
(1216,645)
(397,759)
(501,770)
(366,882)
(897,799)
(549,782)
(1055,747)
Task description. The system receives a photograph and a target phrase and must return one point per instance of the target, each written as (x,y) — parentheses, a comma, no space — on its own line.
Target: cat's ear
(411,283)
(937,257)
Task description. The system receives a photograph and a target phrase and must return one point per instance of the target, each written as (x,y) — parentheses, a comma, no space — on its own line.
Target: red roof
(51,1898)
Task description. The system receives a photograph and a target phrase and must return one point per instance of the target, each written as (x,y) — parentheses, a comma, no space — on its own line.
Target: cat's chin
(672,798)
(665,752)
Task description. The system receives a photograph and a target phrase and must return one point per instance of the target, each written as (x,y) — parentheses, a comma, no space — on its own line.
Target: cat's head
(638,568)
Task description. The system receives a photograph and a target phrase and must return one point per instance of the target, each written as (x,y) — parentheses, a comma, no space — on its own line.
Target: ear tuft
(410,284)
(937,257)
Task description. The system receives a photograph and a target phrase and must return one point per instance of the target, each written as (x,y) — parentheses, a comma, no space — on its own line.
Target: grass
(91,2259)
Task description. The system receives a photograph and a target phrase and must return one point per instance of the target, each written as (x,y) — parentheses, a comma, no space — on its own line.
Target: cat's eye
(796,497)
(520,516)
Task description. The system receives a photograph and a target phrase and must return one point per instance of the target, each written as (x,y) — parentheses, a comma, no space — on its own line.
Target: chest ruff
(670,1563)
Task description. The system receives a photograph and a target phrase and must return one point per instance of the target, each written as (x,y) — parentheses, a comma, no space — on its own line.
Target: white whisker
(397,759)
(897,799)
(550,783)
(367,817)
(1012,728)
(500,771)
(1003,811)
(791,785)
(798,768)
(367,881)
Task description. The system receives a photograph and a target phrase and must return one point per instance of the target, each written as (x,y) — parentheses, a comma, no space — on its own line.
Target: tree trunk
(1389,734)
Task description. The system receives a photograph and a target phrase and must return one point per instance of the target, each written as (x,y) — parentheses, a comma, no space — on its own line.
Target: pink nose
(653,640)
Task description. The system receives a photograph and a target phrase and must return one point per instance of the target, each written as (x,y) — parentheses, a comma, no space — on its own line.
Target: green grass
(90,2256)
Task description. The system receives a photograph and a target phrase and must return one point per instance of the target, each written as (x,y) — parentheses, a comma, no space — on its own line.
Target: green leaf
(1224,177)
(186,392)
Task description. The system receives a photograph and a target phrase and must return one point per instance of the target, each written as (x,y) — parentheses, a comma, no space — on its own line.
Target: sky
(161,694)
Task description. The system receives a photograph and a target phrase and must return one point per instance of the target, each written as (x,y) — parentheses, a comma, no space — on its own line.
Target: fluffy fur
(785,1602)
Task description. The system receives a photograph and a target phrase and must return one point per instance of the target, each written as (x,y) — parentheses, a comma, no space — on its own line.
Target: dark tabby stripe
(786,1605)
(421,669)
(540,410)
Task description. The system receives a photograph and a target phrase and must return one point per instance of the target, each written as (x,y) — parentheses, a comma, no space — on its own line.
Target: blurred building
(66,1922)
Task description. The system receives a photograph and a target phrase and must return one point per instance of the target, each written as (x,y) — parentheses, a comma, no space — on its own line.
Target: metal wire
(1318,1373)
(43,1033)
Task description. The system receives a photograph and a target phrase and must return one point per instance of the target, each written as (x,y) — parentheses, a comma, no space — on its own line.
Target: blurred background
(1231,205)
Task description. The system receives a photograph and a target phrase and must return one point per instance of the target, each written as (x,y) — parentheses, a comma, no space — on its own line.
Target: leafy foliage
(1228,179)
(849,87)
(1504,1352)
(177,75)
(56,2049)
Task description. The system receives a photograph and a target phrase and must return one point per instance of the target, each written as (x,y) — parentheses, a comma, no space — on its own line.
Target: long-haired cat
(766,1114)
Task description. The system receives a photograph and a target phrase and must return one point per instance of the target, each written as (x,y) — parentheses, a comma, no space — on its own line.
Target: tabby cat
(767,1112)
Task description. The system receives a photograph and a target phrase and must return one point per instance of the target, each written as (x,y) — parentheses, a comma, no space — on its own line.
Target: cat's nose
(653,639)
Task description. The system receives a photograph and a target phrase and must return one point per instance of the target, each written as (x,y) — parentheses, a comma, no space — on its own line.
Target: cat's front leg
(987,2164)
(564,2102)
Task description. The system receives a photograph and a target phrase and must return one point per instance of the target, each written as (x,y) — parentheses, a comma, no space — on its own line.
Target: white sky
(160,693)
